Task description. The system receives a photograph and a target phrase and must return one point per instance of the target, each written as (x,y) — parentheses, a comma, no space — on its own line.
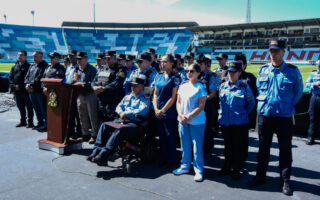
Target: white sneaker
(198,177)
(180,171)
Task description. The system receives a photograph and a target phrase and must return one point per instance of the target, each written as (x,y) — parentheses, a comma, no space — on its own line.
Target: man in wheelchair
(132,109)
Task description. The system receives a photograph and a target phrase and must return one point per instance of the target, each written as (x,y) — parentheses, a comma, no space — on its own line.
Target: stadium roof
(270,25)
(130,25)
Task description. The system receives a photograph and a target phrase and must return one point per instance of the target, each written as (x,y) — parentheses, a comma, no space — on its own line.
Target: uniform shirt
(86,77)
(313,77)
(182,73)
(17,75)
(130,70)
(164,88)
(155,66)
(279,90)
(149,72)
(189,96)
(134,106)
(55,71)
(34,75)
(221,72)
(236,101)
(106,75)
(251,80)
(70,73)
(214,81)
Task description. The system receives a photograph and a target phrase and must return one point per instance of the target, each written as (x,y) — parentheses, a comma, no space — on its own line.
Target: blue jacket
(236,101)
(279,90)
(134,106)
(314,76)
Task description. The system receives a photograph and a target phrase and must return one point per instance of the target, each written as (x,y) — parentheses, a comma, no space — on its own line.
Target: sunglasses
(190,71)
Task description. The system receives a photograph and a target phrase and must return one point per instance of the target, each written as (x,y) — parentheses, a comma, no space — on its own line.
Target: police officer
(35,89)
(280,87)
(189,58)
(55,70)
(236,101)
(108,87)
(211,82)
(166,86)
(144,67)
(131,106)
(154,63)
(251,80)
(100,62)
(313,83)
(221,71)
(17,85)
(121,58)
(130,67)
(179,69)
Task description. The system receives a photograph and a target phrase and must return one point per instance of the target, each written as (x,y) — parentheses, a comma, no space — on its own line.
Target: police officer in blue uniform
(313,83)
(130,67)
(154,63)
(236,101)
(221,71)
(108,87)
(179,69)
(280,87)
(211,82)
(131,109)
(166,86)
(144,67)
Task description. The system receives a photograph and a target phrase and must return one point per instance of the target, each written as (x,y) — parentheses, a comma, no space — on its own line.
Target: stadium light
(94,11)
(32,13)
(5,18)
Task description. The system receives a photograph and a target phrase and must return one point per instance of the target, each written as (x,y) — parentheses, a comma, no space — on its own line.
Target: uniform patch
(177,81)
(121,74)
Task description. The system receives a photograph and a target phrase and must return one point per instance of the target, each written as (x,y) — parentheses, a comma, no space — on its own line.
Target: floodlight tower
(248,12)
(5,18)
(32,13)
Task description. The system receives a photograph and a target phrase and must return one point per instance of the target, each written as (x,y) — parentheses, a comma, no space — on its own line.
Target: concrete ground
(29,173)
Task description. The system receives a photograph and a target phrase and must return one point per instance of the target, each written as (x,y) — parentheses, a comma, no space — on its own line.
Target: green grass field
(304,69)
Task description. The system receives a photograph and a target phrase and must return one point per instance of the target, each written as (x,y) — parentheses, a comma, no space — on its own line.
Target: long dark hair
(172,60)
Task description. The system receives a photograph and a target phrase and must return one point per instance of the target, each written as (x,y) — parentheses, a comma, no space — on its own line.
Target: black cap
(66,59)
(177,56)
(81,54)
(100,56)
(130,57)
(110,53)
(189,55)
(201,58)
(241,57)
(235,66)
(54,55)
(144,56)
(72,52)
(139,79)
(121,56)
(222,56)
(277,44)
(151,51)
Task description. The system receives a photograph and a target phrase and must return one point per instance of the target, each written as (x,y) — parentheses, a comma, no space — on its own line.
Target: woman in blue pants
(191,101)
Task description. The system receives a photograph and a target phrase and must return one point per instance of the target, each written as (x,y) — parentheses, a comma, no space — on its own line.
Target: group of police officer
(276,90)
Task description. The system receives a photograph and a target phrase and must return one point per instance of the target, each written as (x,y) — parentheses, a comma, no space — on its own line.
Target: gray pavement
(29,173)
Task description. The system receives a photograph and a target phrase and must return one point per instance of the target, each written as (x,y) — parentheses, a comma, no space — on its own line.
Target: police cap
(235,66)
(277,44)
(54,55)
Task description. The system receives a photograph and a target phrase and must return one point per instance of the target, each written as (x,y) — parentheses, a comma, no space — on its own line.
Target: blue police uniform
(149,72)
(108,138)
(168,124)
(70,73)
(314,106)
(211,82)
(182,73)
(280,89)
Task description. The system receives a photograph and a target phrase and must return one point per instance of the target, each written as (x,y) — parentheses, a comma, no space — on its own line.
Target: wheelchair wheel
(149,152)
(127,169)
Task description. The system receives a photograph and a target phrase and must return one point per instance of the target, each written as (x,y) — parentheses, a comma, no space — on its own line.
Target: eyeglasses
(190,71)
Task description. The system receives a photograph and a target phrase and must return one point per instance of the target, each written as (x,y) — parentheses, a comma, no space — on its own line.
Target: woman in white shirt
(191,101)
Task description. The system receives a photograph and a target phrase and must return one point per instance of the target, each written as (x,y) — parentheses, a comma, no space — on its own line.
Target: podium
(61,102)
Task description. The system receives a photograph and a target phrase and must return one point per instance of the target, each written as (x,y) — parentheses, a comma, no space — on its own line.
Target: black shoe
(310,141)
(235,176)
(256,182)
(37,126)
(224,172)
(286,189)
(21,124)
(42,129)
(92,155)
(101,160)
(84,138)
(30,125)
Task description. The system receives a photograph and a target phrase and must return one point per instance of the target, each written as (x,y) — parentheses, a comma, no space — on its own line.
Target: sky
(204,12)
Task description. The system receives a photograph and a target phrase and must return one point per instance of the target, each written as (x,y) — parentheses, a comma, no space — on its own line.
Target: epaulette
(292,66)
(222,85)
(263,66)
(243,85)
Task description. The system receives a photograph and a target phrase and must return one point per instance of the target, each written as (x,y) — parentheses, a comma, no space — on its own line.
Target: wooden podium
(61,102)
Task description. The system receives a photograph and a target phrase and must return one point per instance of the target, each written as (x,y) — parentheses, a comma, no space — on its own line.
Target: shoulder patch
(292,66)
(121,74)
(243,85)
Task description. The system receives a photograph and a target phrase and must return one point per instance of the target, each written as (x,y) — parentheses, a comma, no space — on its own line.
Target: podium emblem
(53,99)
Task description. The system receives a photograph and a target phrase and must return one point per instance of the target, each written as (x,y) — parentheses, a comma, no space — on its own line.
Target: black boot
(286,189)
(21,124)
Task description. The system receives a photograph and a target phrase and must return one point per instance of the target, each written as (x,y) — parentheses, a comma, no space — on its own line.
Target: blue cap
(277,44)
(235,66)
